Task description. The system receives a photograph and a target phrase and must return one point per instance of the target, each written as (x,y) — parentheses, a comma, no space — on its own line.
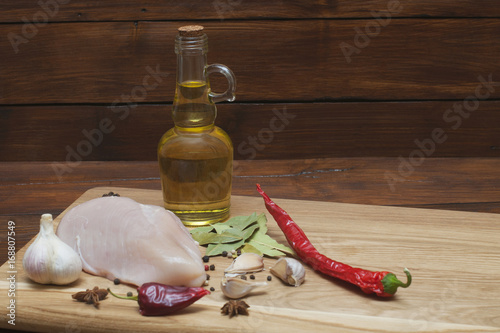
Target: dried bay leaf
(212,237)
(262,222)
(220,227)
(249,248)
(242,222)
(261,249)
(264,243)
(216,249)
(248,233)
(268,245)
(203,237)
(203,229)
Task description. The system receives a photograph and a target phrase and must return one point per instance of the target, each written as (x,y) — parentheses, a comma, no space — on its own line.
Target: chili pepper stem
(391,282)
(133,298)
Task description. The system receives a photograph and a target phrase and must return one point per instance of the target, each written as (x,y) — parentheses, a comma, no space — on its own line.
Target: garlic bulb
(236,287)
(290,271)
(245,263)
(49,260)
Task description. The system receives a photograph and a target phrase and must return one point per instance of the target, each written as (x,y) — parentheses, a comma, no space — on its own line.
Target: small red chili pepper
(157,299)
(383,284)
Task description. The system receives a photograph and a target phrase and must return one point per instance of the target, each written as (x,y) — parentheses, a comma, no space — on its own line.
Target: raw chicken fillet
(116,237)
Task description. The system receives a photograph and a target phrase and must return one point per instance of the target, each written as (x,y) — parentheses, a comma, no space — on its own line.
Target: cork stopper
(191,31)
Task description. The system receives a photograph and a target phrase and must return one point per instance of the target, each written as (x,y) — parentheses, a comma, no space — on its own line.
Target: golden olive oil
(196,161)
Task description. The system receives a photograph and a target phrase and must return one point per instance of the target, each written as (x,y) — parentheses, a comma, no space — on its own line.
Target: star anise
(234,308)
(91,296)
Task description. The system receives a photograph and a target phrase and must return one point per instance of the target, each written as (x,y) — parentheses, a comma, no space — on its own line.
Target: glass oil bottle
(196,157)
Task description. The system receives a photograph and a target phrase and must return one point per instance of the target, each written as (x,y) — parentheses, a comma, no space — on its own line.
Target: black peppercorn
(224,253)
(116,281)
(212,267)
(110,194)
(208,277)
(243,277)
(129,294)
(252,277)
(212,289)
(206,258)
(269,278)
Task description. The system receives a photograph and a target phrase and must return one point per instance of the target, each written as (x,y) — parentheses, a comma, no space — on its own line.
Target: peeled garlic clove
(48,260)
(290,271)
(246,263)
(237,288)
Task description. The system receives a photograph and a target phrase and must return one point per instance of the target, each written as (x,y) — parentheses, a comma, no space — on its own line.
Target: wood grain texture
(296,60)
(427,241)
(28,190)
(258,131)
(13,11)
(32,188)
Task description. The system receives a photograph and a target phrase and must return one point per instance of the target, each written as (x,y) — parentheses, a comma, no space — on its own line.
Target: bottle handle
(229,94)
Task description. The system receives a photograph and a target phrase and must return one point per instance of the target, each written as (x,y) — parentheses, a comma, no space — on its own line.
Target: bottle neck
(193,106)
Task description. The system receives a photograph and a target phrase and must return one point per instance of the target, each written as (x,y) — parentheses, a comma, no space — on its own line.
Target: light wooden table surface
(30,189)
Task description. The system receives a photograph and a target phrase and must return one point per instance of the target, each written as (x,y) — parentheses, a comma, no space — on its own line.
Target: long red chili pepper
(381,283)
(157,299)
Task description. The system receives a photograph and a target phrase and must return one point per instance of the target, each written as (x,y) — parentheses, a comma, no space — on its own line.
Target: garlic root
(48,260)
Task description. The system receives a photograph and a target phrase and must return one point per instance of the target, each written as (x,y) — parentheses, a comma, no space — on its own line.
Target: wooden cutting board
(454,258)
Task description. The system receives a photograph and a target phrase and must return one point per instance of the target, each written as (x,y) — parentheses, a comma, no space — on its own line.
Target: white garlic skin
(237,288)
(48,260)
(247,262)
(290,271)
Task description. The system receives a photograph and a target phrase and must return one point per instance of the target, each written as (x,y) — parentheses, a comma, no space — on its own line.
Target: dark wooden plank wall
(426,71)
